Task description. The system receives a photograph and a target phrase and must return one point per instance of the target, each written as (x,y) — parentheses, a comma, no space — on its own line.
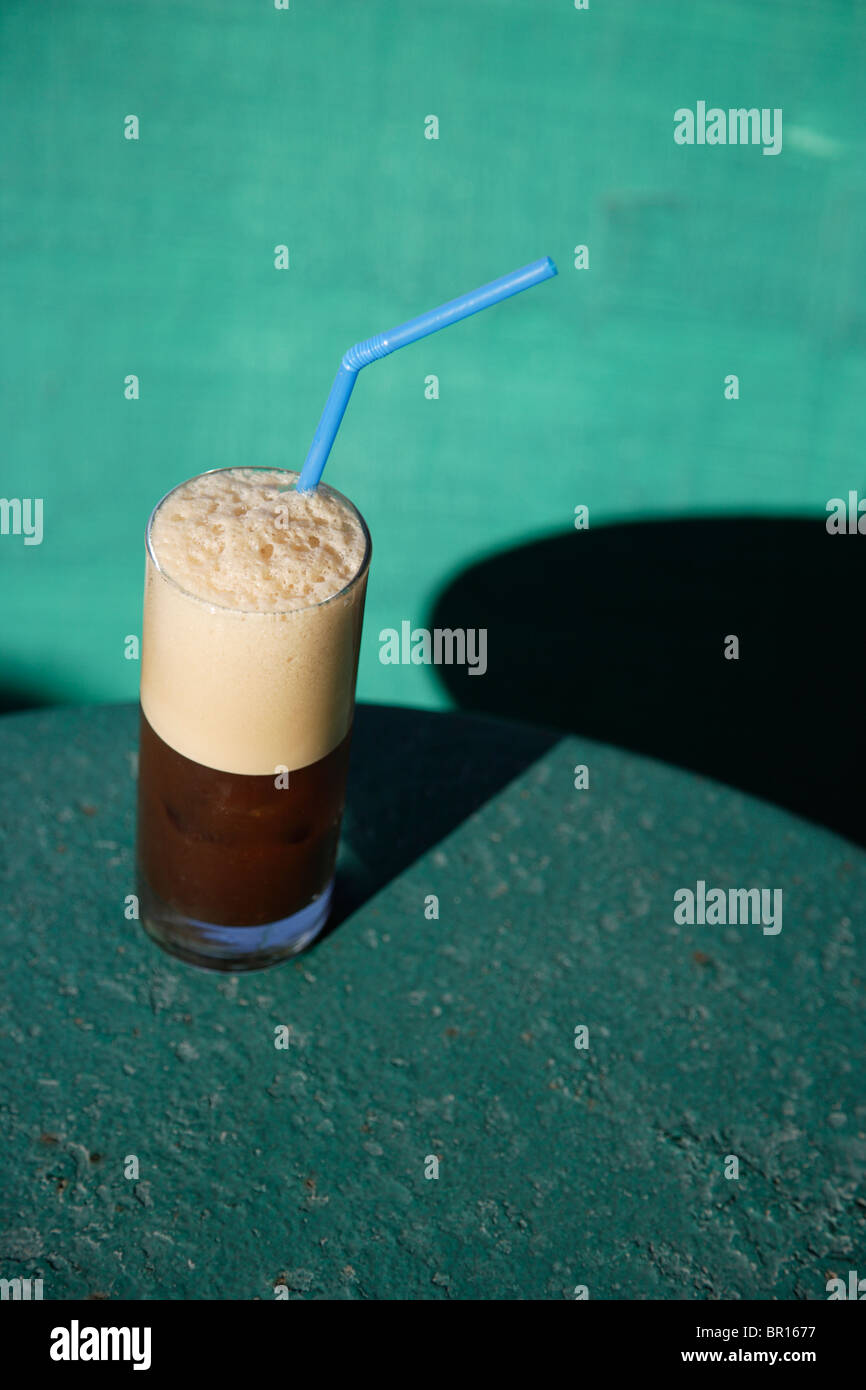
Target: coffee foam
(249,647)
(240,539)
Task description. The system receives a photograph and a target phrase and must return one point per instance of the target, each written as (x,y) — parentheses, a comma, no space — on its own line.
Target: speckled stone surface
(452,1037)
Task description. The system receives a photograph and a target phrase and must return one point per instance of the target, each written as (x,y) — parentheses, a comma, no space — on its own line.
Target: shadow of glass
(415,776)
(618,633)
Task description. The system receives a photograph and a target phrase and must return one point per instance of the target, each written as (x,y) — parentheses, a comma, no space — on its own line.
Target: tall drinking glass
(253,606)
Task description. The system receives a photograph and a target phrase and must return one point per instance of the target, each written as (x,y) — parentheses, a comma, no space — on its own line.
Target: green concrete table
(452,1038)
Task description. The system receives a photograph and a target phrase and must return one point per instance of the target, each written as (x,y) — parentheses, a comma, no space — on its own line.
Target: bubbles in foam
(242,538)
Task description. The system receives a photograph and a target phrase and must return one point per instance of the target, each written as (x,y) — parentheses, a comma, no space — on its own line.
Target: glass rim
(258,612)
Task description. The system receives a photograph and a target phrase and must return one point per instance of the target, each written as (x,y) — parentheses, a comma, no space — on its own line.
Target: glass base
(213,947)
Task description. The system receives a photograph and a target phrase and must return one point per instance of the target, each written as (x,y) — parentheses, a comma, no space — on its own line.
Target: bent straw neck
(370,350)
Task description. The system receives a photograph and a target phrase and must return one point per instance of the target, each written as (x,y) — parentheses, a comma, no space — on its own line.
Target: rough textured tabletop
(454,1037)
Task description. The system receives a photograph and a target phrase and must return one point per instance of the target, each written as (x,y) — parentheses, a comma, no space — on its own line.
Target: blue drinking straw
(372,348)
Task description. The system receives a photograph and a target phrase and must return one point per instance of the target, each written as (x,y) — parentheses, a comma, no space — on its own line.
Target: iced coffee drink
(254,599)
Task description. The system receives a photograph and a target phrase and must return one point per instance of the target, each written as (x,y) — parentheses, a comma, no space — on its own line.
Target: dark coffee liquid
(232,849)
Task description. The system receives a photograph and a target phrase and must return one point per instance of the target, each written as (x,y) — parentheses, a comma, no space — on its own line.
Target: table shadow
(618,632)
(15,696)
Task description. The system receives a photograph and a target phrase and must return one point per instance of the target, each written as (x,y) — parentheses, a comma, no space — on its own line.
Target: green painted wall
(604,386)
